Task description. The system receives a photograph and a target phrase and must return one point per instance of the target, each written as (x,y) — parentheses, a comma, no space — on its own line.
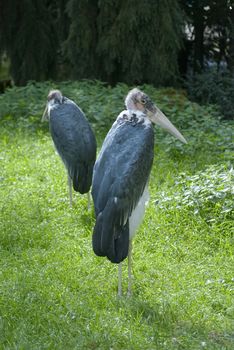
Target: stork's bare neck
(139,107)
(55,99)
(138,101)
(55,95)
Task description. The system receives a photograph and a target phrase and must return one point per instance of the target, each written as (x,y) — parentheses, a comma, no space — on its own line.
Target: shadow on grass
(171,329)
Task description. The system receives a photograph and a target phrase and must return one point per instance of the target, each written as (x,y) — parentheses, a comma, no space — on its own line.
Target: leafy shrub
(100,103)
(208,193)
(212,87)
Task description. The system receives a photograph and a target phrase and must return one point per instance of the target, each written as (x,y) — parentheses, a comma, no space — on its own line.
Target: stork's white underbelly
(138,213)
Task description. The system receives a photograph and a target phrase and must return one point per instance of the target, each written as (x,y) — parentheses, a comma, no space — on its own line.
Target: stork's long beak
(157,117)
(45,114)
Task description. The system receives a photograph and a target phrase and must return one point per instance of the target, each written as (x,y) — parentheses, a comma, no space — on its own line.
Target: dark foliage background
(129,41)
(186,43)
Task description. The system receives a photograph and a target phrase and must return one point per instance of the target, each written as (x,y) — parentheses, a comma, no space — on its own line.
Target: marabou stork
(121,177)
(74,140)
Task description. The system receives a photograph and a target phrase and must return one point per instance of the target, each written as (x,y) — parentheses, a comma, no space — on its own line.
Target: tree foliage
(80,46)
(130,41)
(29,37)
(211,23)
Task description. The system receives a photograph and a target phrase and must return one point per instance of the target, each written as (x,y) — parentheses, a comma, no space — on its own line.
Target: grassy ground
(56,294)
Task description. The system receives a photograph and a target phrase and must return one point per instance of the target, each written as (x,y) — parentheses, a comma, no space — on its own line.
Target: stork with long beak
(121,177)
(74,140)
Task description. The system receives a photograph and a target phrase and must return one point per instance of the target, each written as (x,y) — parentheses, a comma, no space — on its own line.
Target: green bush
(100,103)
(213,87)
(208,193)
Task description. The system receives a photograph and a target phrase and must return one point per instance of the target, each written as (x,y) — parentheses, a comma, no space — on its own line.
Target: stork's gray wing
(75,143)
(120,176)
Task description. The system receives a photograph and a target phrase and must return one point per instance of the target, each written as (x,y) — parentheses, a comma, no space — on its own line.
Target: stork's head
(137,100)
(54,97)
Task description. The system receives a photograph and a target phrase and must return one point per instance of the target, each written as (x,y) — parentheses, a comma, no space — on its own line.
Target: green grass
(56,294)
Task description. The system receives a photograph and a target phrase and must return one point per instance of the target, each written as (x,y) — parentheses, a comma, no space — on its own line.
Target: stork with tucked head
(73,138)
(121,177)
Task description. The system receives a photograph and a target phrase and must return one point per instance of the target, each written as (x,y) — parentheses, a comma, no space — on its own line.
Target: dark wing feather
(75,143)
(120,176)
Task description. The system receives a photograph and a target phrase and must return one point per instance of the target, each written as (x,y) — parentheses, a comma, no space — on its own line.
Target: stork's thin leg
(120,279)
(129,269)
(70,189)
(89,201)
